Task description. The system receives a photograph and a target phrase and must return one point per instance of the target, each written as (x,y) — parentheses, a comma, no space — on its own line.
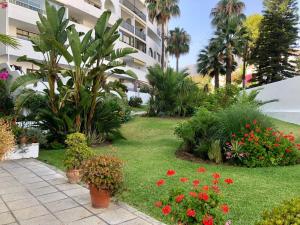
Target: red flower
(191,213)
(203,196)
(225,208)
(233,135)
(215,181)
(160,182)
(276,145)
(171,173)
(158,204)
(208,220)
(246,135)
(201,170)
(228,181)
(216,189)
(166,210)
(179,198)
(184,179)
(216,175)
(288,151)
(205,188)
(248,125)
(254,122)
(196,183)
(193,194)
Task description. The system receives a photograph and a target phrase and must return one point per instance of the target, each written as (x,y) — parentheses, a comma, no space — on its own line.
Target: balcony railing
(128,26)
(134,9)
(140,34)
(28,6)
(158,32)
(95,3)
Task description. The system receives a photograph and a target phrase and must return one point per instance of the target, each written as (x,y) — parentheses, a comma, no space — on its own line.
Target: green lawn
(149,151)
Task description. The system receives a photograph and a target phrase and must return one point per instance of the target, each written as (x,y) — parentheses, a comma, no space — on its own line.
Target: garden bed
(149,150)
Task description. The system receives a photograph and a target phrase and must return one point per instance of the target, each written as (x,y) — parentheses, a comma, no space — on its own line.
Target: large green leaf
(23,81)
(102,23)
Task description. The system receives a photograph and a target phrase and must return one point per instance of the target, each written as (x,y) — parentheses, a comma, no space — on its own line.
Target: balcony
(140,34)
(134,9)
(27,5)
(158,32)
(128,26)
(94,3)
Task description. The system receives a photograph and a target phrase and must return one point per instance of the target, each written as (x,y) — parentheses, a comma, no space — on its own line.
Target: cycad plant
(162,11)
(178,43)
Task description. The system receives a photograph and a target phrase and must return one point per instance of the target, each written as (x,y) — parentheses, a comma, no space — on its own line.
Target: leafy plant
(6,138)
(77,151)
(135,101)
(104,172)
(192,203)
(286,213)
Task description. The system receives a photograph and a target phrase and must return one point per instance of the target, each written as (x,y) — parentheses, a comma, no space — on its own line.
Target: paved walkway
(32,193)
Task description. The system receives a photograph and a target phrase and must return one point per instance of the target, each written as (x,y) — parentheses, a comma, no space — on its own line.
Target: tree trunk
(93,106)
(163,45)
(228,68)
(245,58)
(217,80)
(177,64)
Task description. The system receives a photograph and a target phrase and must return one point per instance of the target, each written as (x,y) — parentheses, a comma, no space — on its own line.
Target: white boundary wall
(287,92)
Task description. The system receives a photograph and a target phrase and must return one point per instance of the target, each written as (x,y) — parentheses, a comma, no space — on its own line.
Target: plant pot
(99,198)
(23,140)
(73,176)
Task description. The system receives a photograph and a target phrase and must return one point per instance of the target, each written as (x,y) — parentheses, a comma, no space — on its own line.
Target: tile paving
(33,193)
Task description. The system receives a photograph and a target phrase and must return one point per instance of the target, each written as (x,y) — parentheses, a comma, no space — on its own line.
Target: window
(151,52)
(23,34)
(155,54)
(158,57)
(126,38)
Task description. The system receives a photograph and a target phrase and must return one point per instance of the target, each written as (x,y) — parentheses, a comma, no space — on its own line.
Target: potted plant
(7,141)
(104,176)
(76,152)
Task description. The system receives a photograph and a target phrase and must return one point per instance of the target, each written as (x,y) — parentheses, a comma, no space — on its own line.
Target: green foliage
(6,101)
(104,172)
(199,132)
(35,135)
(286,213)
(215,152)
(276,42)
(9,41)
(172,93)
(77,151)
(135,102)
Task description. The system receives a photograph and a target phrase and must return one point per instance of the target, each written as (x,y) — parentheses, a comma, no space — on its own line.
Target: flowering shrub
(255,146)
(194,202)
(4,75)
(286,213)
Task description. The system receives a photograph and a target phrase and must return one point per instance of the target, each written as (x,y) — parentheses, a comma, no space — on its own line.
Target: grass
(149,151)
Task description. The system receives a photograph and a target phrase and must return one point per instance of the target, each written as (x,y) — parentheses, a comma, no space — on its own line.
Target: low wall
(287,92)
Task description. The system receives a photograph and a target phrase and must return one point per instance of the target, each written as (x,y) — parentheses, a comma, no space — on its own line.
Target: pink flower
(4,75)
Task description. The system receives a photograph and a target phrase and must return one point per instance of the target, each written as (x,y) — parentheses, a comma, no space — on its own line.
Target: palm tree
(210,62)
(162,11)
(228,18)
(178,44)
(9,41)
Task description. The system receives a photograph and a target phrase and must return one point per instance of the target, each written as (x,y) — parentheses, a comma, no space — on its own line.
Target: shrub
(135,102)
(287,213)
(77,151)
(6,139)
(104,172)
(199,132)
(190,203)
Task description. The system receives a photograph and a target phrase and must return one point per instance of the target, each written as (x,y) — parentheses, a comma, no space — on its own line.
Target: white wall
(287,92)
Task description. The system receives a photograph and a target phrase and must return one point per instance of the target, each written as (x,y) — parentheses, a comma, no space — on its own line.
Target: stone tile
(6,218)
(52,197)
(31,212)
(77,191)
(60,205)
(13,224)
(16,196)
(12,190)
(93,220)
(127,207)
(117,216)
(73,214)
(43,191)
(51,177)
(4,174)
(8,179)
(146,218)
(31,180)
(112,206)
(3,208)
(36,185)
(44,172)
(136,221)
(67,186)
(23,203)
(42,220)
(58,181)
(82,199)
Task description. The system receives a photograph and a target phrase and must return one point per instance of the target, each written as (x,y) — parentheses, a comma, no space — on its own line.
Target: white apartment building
(19,18)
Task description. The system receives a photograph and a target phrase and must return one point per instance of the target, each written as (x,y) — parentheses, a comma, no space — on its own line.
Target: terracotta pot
(73,176)
(23,140)
(99,198)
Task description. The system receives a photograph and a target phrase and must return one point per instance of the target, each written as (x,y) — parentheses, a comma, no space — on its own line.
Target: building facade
(18,19)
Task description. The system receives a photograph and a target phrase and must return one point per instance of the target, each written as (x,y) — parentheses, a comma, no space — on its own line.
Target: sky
(195,19)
